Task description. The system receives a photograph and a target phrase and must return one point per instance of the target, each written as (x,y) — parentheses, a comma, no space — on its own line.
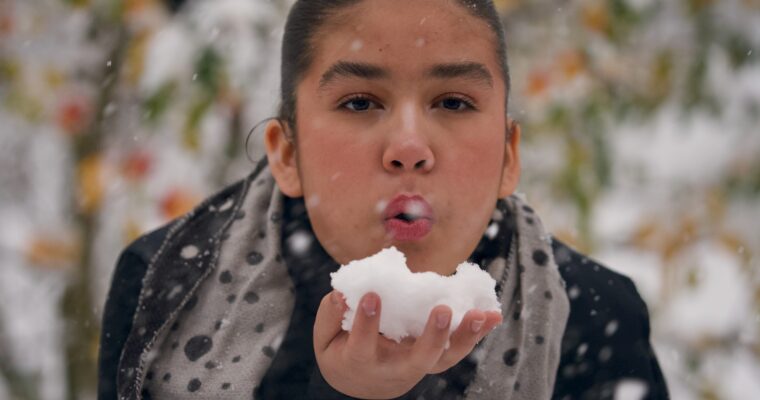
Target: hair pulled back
(306,17)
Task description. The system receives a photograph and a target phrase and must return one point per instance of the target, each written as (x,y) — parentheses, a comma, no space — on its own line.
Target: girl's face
(403,98)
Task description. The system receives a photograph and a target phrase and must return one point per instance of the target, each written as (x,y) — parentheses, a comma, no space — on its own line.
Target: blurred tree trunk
(82,325)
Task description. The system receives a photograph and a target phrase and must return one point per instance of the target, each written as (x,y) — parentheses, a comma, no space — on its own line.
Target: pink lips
(416,210)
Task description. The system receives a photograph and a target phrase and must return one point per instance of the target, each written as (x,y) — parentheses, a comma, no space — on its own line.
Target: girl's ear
(283,162)
(510,175)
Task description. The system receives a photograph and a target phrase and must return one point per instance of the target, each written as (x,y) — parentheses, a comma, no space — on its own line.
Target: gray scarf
(223,343)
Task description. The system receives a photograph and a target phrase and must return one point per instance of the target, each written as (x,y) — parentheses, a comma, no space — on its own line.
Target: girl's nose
(408,157)
(408,148)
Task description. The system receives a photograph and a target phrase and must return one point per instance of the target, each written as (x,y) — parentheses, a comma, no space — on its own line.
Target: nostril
(397,163)
(419,164)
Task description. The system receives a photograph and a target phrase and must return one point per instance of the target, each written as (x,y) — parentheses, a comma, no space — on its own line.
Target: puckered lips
(408,217)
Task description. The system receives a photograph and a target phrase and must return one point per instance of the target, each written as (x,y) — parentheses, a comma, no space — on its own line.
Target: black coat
(606,340)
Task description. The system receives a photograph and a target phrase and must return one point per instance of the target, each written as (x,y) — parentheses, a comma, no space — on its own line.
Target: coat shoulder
(130,271)
(607,337)
(591,285)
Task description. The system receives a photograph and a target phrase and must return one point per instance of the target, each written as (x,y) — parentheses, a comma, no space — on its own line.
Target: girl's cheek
(317,123)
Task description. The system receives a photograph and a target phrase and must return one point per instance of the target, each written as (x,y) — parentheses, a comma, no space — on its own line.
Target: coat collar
(188,254)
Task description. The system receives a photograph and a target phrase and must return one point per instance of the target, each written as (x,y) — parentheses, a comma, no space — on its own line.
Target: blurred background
(641,147)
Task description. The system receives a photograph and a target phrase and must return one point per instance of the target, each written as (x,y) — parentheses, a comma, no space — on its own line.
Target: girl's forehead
(405,34)
(389,18)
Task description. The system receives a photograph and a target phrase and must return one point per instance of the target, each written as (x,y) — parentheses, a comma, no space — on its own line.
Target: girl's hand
(367,365)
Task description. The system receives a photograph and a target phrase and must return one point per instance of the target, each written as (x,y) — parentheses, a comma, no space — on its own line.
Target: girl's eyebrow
(468,70)
(349,69)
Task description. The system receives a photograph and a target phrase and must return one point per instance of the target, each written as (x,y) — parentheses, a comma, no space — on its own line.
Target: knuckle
(356,353)
(418,368)
(462,343)
(357,358)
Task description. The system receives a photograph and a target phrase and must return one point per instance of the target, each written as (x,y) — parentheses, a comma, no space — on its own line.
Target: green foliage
(78,3)
(209,70)
(157,103)
(744,182)
(739,49)
(190,132)
(662,79)
(624,20)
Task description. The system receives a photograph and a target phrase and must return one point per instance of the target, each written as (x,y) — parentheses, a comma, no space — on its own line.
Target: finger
(493,319)
(429,347)
(362,341)
(463,340)
(327,324)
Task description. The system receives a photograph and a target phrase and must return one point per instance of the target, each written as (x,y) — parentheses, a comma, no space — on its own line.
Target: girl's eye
(358,104)
(456,104)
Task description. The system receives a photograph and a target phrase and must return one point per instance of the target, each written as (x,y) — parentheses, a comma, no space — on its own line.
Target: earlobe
(281,154)
(510,176)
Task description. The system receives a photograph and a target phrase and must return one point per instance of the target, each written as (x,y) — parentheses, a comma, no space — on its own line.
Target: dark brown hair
(307,16)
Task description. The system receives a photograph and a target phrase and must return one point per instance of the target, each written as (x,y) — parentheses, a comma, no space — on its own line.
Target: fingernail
(442,320)
(370,306)
(477,325)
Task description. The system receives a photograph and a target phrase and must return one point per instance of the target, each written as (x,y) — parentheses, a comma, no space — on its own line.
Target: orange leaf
(734,243)
(680,238)
(570,238)
(730,241)
(596,17)
(132,231)
(73,115)
(570,64)
(6,21)
(54,77)
(177,202)
(538,83)
(136,165)
(135,57)
(51,252)
(90,184)
(505,6)
(137,6)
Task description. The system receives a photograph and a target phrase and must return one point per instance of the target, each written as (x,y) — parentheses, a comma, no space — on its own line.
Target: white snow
(189,252)
(406,297)
(169,57)
(717,306)
(299,242)
(492,230)
(631,389)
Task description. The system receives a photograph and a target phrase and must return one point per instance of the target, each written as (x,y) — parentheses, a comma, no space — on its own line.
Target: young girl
(392,131)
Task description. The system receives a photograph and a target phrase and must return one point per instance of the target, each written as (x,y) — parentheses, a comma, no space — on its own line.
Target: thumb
(327,324)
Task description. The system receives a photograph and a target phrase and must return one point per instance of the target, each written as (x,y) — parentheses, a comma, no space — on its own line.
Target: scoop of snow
(407,297)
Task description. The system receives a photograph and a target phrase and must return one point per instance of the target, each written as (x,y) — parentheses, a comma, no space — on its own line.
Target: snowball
(407,297)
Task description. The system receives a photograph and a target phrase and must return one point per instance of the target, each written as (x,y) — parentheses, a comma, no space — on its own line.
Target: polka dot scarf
(519,359)
(222,342)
